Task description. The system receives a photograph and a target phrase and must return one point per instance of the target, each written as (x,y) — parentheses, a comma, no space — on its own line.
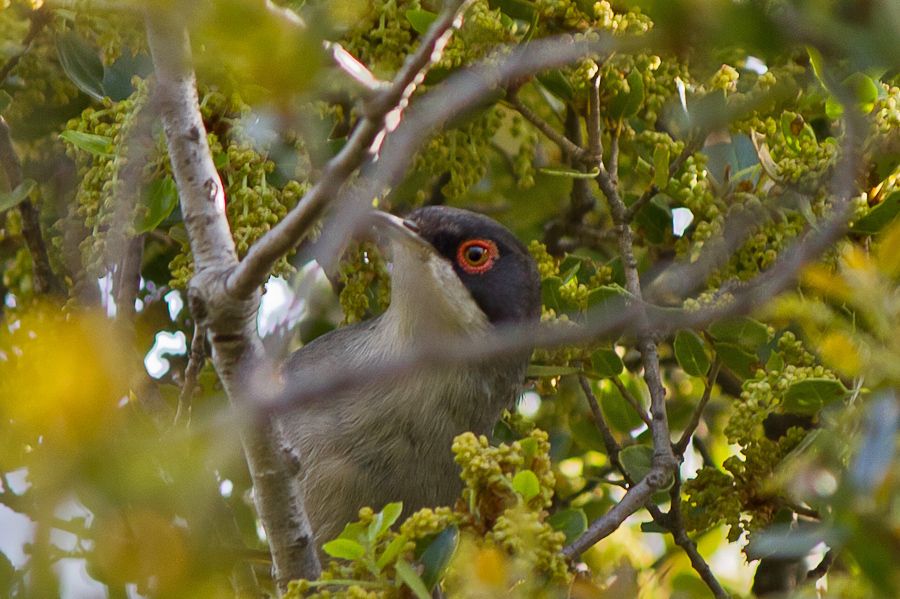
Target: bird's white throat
(427,297)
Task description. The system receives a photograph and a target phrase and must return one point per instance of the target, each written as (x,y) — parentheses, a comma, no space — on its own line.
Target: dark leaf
(438,554)
(81,63)
(161,198)
(879,216)
(690,353)
(572,521)
(606,362)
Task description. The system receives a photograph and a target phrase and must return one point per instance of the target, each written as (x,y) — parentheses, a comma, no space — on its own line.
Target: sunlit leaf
(411,579)
(526,484)
(391,551)
(384,519)
(344,549)
(93,144)
(420,19)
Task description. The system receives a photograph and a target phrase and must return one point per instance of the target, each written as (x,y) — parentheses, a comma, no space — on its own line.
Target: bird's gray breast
(390,439)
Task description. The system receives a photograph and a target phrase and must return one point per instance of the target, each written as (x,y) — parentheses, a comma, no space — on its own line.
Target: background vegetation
(709,187)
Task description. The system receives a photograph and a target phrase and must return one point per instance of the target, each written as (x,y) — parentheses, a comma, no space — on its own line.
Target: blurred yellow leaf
(841,353)
(490,567)
(887,252)
(822,279)
(142,545)
(64,375)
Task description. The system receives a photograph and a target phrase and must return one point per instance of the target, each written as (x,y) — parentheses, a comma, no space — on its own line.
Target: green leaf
(420,20)
(661,166)
(568,172)
(740,361)
(438,554)
(637,461)
(690,353)
(15,197)
(572,521)
(5,100)
(811,395)
(93,144)
(550,296)
(410,578)
(606,362)
(391,552)
(384,519)
(655,219)
(863,90)
(344,549)
(539,370)
(81,63)
(161,198)
(741,330)
(517,9)
(879,216)
(620,415)
(526,484)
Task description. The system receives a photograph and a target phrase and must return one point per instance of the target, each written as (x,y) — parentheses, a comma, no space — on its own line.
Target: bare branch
(237,350)
(609,441)
(191,371)
(674,522)
(565,144)
(44,279)
(254,268)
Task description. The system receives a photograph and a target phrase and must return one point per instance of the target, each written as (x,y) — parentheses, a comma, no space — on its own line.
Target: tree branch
(44,279)
(237,351)
(565,144)
(631,399)
(254,268)
(191,371)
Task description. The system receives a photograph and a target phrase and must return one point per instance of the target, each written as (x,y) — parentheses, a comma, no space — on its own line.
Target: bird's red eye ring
(476,256)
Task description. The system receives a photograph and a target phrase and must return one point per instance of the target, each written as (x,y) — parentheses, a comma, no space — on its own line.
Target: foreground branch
(254,268)
(237,351)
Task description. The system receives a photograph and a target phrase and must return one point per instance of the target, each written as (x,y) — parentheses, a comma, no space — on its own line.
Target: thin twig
(682,443)
(674,522)
(191,372)
(564,143)
(609,441)
(254,268)
(822,569)
(631,399)
(44,279)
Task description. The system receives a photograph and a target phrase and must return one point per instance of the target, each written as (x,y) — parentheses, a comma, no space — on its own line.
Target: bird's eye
(476,256)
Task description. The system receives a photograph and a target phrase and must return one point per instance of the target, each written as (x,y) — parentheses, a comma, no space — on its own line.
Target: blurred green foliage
(734,111)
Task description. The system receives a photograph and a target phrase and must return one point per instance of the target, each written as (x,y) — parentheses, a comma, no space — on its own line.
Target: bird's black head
(493,265)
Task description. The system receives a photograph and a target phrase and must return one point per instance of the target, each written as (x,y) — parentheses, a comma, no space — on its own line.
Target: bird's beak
(400,230)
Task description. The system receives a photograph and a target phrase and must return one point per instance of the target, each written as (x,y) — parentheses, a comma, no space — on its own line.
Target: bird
(454,274)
